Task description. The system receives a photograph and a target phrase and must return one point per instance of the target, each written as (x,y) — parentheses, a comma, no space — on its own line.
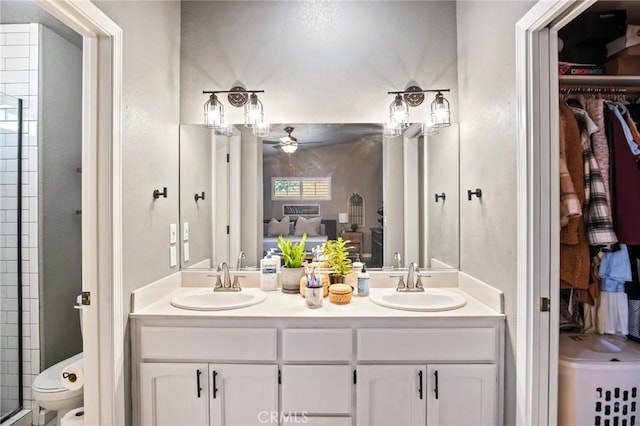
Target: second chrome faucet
(413,284)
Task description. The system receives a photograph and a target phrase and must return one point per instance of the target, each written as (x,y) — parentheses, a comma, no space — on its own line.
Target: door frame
(104,318)
(537,208)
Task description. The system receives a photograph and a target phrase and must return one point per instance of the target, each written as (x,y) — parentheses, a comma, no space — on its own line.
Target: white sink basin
(208,300)
(433,299)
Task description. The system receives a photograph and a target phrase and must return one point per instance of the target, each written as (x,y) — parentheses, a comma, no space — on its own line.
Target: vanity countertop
(281,305)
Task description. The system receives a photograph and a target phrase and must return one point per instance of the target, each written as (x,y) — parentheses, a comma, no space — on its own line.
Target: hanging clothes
(625,178)
(613,305)
(574,245)
(596,209)
(599,143)
(632,288)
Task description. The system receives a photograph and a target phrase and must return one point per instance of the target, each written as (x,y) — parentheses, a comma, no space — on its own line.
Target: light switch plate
(185,252)
(173,252)
(185,231)
(173,233)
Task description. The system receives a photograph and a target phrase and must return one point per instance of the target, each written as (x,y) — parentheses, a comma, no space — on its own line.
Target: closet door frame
(537,208)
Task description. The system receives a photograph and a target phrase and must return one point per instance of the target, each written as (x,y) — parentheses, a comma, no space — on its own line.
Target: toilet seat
(47,386)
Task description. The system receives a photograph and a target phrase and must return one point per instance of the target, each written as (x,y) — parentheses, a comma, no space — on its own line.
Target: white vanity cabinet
(324,367)
(170,395)
(213,394)
(430,390)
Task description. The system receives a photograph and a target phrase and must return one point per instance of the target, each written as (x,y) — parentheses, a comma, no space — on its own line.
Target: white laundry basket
(599,381)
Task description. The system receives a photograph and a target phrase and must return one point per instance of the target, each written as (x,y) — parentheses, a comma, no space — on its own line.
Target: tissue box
(622,45)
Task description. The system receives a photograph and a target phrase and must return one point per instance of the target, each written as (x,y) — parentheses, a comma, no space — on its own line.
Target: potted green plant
(337,252)
(293,256)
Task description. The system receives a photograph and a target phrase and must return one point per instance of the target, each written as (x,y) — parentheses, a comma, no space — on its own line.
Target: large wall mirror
(396,199)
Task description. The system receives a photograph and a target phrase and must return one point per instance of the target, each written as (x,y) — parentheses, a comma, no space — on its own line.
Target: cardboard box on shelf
(624,65)
(630,39)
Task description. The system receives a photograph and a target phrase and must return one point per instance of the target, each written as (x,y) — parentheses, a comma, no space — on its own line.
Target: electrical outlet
(173,233)
(185,252)
(185,231)
(173,254)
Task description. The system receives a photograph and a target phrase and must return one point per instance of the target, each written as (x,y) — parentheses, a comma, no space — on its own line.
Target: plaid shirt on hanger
(595,208)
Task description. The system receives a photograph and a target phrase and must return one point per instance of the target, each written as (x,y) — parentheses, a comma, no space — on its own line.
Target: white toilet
(47,389)
(48,392)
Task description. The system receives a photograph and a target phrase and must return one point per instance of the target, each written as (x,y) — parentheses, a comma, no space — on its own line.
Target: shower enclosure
(10,256)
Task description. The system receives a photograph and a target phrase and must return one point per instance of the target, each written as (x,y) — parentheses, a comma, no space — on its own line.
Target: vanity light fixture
(238,96)
(413,96)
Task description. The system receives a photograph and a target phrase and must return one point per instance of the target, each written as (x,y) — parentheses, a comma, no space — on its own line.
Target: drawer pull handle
(435,374)
(198,372)
(215,387)
(420,381)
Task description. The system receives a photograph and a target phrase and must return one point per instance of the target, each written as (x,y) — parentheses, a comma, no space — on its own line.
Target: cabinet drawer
(316,421)
(199,343)
(316,345)
(425,345)
(316,389)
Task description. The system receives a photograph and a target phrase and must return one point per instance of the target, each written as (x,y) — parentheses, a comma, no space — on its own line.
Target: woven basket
(340,294)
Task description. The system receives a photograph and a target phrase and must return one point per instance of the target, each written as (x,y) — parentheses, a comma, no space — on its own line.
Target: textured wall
(486,77)
(319,62)
(150,96)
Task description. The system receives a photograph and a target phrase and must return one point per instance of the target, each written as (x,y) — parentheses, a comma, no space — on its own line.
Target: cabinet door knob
(420,383)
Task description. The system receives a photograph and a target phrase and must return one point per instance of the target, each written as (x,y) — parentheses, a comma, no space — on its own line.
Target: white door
(391,395)
(173,394)
(242,395)
(461,395)
(220,202)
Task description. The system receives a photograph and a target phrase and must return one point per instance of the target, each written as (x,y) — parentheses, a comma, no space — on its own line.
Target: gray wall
(60,154)
(195,178)
(150,119)
(353,167)
(486,77)
(319,62)
(150,96)
(443,227)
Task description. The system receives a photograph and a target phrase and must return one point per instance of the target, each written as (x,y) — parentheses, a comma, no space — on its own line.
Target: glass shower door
(10,256)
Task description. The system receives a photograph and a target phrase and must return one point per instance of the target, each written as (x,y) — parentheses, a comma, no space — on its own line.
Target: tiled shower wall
(19,78)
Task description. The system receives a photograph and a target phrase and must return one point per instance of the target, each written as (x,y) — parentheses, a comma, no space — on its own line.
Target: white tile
(14,51)
(17,38)
(16,64)
(15,76)
(17,89)
(16,28)
(34,30)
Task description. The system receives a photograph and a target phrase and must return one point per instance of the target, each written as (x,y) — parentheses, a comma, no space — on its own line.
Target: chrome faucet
(241,257)
(414,284)
(223,271)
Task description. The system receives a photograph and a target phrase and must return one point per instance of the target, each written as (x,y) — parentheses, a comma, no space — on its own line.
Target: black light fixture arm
(213,92)
(418,90)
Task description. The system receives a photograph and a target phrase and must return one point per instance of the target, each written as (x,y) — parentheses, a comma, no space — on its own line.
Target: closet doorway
(538,205)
